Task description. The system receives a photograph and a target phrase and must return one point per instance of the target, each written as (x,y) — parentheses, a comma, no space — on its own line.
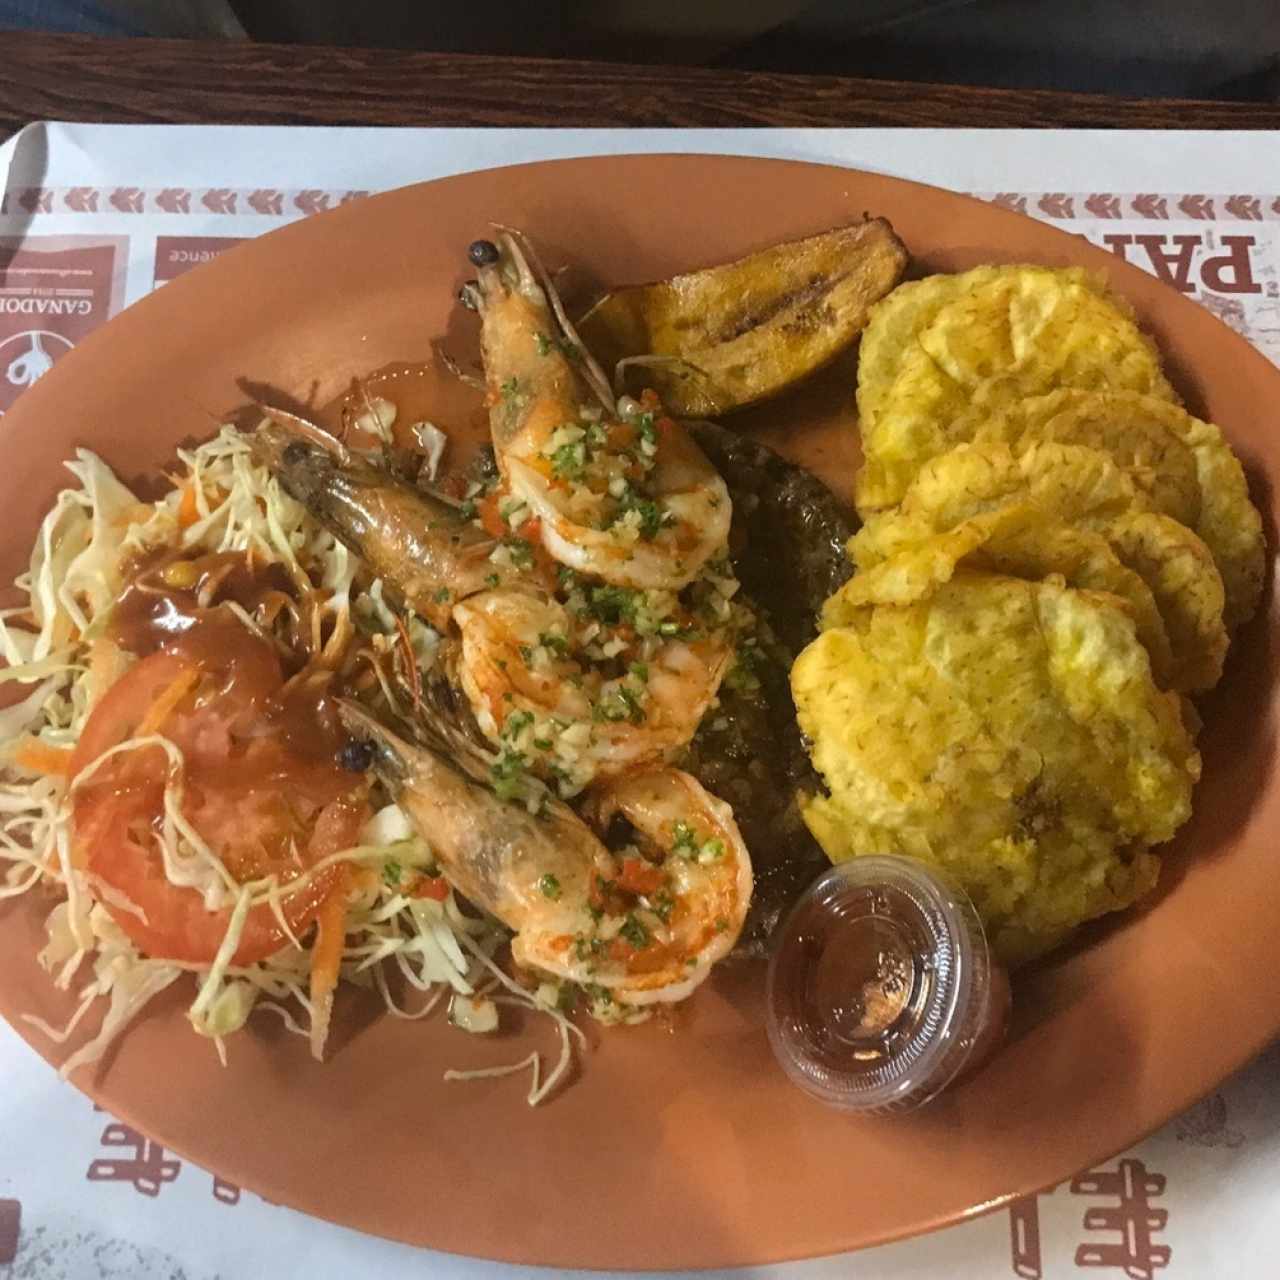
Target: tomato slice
(260,801)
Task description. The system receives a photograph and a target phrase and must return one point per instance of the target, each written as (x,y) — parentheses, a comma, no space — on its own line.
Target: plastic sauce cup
(881,988)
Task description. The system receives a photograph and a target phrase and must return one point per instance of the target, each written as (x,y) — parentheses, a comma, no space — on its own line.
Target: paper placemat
(94,217)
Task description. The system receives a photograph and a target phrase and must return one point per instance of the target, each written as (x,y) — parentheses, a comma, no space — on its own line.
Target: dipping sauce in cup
(881,988)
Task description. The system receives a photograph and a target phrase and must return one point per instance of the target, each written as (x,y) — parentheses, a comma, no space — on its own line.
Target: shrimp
(619,490)
(522,666)
(689,866)
(427,549)
(590,690)
(643,928)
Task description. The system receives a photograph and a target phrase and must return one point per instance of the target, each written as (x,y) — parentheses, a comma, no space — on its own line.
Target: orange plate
(684,1146)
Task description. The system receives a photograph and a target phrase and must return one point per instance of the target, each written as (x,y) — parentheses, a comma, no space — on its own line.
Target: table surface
(56,77)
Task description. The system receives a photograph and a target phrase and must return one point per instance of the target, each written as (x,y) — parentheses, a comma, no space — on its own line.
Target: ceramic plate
(683,1145)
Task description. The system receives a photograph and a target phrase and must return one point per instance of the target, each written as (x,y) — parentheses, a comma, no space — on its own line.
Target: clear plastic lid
(880,985)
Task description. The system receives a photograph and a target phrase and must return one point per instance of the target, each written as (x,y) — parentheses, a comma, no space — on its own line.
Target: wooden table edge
(146,81)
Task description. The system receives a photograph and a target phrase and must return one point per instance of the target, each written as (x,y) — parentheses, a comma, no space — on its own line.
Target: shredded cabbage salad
(416,953)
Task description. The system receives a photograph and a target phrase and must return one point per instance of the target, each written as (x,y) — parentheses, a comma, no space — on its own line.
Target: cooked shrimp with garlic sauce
(639,926)
(619,490)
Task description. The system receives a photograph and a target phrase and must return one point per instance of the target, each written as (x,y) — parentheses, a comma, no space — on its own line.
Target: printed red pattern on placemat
(1148,205)
(10,1227)
(53,291)
(1024,1238)
(145,1165)
(226,1192)
(176,255)
(1130,1216)
(266,202)
(127,199)
(272,202)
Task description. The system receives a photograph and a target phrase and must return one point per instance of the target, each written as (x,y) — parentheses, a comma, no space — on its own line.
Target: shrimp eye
(355,756)
(296,453)
(483,253)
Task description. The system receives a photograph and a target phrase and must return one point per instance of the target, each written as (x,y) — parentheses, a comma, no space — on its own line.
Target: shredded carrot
(40,757)
(161,709)
(326,957)
(188,511)
(487,510)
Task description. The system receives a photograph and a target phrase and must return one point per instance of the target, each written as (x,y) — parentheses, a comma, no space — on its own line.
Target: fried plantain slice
(728,336)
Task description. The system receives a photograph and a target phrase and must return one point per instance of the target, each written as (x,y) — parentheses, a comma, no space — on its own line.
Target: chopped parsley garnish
(569,461)
(492,580)
(684,840)
(521,551)
(585,948)
(620,703)
(640,670)
(614,605)
(507,774)
(516,723)
(553,641)
(511,388)
(391,872)
(634,932)
(550,887)
(651,516)
(635,712)
(442,595)
(542,744)
(543,343)
(662,904)
(648,431)
(468,509)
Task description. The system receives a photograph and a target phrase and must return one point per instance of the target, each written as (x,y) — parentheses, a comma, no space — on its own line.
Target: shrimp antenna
(529,264)
(300,426)
(451,365)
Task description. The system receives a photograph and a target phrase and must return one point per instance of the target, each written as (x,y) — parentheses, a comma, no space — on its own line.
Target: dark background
(1227,49)
(1217,49)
